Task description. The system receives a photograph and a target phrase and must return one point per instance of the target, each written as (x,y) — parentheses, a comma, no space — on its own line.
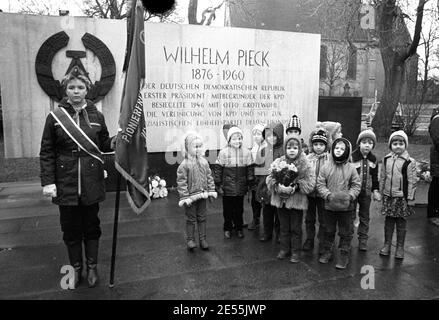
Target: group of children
(332,180)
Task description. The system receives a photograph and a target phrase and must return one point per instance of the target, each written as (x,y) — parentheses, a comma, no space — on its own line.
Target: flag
(131,151)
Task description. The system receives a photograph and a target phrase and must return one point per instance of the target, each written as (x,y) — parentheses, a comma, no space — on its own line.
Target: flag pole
(115,224)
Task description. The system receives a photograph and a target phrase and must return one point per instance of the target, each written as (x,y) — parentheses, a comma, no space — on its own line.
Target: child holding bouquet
(291,178)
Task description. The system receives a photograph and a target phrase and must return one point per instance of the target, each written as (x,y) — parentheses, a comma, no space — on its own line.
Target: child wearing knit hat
(318,157)
(233,175)
(195,184)
(290,200)
(367,167)
(398,185)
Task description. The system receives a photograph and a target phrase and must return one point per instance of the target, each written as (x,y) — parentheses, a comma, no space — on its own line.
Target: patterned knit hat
(368,133)
(320,136)
(401,135)
(294,124)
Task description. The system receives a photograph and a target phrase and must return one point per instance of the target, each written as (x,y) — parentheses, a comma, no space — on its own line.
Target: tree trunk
(394,55)
(192,12)
(394,76)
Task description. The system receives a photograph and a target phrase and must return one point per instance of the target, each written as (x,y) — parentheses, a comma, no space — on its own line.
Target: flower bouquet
(423,171)
(157,187)
(285,176)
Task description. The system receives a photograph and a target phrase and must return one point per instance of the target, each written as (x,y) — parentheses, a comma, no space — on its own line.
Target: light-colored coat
(317,161)
(306,181)
(194,179)
(336,179)
(391,179)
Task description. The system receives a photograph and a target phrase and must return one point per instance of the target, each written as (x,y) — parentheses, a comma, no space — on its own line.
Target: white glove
(187,202)
(49,190)
(212,194)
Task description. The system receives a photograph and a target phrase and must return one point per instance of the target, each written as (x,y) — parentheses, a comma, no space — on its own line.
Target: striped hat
(294,124)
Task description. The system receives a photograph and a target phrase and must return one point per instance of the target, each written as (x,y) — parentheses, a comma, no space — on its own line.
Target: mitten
(212,195)
(49,190)
(186,202)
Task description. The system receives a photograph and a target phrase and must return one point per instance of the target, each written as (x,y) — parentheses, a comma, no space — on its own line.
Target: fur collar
(357,156)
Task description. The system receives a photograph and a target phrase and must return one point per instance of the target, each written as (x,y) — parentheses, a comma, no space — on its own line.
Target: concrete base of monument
(153,262)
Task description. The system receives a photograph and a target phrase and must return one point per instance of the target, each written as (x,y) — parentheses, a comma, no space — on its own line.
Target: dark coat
(434,150)
(371,182)
(265,158)
(234,171)
(60,161)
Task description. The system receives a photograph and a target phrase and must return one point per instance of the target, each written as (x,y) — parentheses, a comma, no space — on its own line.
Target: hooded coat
(265,158)
(340,180)
(75,174)
(305,181)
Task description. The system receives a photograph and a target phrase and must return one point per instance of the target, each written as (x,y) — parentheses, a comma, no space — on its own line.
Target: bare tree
(105,9)
(415,104)
(338,21)
(336,62)
(395,48)
(44,8)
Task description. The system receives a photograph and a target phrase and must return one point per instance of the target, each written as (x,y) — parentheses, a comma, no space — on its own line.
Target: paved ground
(152,262)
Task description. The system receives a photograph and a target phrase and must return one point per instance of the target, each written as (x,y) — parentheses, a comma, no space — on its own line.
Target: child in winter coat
(233,174)
(366,164)
(398,185)
(290,209)
(339,185)
(258,144)
(273,135)
(195,184)
(317,158)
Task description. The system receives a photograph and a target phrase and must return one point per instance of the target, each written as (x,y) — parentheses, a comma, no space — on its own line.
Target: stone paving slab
(153,263)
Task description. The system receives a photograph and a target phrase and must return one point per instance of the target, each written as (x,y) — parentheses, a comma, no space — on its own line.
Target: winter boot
(343,259)
(362,244)
(91,254)
(389,227)
(400,239)
(254,224)
(74,250)
(190,231)
(327,254)
(202,235)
